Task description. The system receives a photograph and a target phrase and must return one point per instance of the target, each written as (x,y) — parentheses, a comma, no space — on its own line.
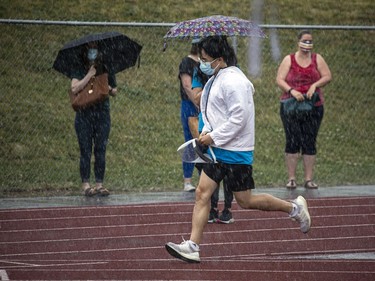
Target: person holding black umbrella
(92,123)
(86,61)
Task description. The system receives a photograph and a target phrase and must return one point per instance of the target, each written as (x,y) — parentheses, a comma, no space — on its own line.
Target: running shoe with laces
(225,217)
(184,251)
(213,216)
(302,216)
(188,187)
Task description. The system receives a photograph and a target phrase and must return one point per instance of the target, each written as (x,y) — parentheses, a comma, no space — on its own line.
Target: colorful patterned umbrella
(214,25)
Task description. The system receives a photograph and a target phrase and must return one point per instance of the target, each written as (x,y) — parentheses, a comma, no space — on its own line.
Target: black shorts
(238,177)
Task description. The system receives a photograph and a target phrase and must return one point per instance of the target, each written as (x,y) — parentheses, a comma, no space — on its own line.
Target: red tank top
(301,78)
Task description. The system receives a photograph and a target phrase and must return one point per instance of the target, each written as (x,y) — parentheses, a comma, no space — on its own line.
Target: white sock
(294,211)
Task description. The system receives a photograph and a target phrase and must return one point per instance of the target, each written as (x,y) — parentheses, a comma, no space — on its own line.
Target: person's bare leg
(201,210)
(264,202)
(291,161)
(297,210)
(308,165)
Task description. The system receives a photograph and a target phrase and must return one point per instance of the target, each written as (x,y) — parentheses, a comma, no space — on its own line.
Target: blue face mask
(92,54)
(205,67)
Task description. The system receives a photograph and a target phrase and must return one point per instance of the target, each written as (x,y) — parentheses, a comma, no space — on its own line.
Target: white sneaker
(188,187)
(184,251)
(302,216)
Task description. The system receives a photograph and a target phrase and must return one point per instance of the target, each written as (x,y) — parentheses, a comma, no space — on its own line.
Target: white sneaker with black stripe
(187,251)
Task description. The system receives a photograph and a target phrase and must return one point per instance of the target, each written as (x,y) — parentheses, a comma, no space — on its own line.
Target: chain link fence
(38,146)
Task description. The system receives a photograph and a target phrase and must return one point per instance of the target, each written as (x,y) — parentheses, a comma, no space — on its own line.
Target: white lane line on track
(92,217)
(169,270)
(240,243)
(17,263)
(170,223)
(89,208)
(236,259)
(296,255)
(182,203)
(259,258)
(223,231)
(70,263)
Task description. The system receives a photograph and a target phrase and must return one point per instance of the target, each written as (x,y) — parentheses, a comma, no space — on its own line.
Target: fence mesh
(38,146)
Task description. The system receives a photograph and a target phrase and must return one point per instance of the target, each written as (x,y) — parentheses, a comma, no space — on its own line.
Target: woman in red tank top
(300,75)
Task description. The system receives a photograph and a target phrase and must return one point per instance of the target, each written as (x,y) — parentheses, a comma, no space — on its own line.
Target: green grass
(38,148)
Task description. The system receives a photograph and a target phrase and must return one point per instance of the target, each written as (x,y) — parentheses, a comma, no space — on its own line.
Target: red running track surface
(127,243)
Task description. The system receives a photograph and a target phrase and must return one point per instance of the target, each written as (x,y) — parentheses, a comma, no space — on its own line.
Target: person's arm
(78,85)
(112,84)
(282,73)
(197,95)
(325,76)
(186,84)
(112,91)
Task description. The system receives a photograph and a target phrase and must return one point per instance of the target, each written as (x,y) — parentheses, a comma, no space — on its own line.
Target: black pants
(228,197)
(301,131)
(92,126)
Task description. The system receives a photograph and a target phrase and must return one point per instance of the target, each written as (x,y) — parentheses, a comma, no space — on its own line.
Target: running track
(127,243)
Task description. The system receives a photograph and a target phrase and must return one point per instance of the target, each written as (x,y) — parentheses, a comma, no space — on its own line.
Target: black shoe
(225,217)
(214,214)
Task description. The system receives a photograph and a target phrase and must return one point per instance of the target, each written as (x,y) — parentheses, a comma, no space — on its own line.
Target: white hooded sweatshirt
(228,110)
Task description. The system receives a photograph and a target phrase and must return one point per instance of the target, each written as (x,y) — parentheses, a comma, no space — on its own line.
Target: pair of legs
(301,132)
(245,199)
(291,161)
(187,110)
(228,198)
(240,181)
(92,127)
(226,214)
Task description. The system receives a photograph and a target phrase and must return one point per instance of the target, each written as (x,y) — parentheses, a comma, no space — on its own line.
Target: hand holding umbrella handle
(92,71)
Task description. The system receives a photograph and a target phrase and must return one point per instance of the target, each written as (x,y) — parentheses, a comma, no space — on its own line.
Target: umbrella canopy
(118,51)
(214,25)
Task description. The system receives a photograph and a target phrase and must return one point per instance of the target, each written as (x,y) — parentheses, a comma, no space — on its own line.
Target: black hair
(216,47)
(303,32)
(194,49)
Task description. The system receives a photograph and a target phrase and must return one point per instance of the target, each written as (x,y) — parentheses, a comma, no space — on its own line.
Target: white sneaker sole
(182,256)
(225,222)
(189,189)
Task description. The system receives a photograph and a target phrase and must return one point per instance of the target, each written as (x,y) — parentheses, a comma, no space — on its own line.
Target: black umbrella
(118,51)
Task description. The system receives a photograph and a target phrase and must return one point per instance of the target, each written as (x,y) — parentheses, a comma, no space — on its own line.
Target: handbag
(293,107)
(95,91)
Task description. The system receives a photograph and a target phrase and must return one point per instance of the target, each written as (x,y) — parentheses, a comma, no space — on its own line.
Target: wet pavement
(181,196)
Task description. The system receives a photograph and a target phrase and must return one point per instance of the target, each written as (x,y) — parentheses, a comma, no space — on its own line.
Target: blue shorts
(238,177)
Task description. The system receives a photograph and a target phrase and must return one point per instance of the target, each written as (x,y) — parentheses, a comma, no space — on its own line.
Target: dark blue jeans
(187,110)
(92,127)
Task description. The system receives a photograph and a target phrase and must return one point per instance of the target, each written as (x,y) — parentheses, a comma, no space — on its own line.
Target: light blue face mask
(206,68)
(92,54)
